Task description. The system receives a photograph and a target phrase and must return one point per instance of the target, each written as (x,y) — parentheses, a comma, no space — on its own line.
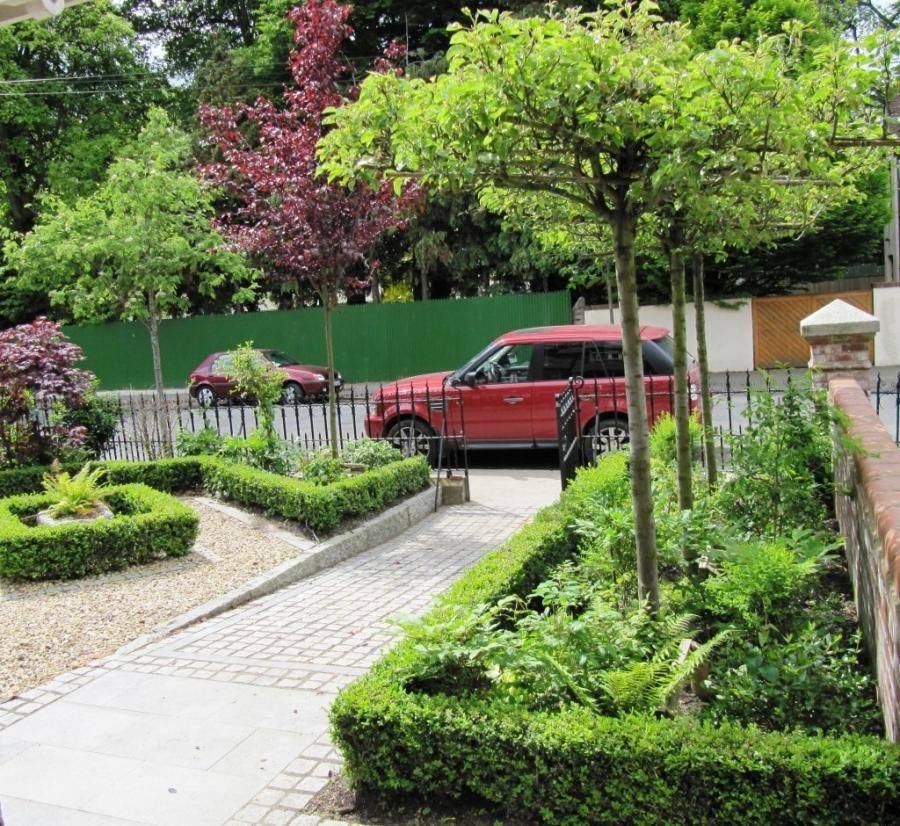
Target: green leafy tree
(72,90)
(126,250)
(604,112)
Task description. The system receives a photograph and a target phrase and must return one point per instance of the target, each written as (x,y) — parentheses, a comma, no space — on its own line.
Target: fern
(75,495)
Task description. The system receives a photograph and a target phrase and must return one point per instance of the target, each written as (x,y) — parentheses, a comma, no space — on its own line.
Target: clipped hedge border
(169,475)
(321,507)
(575,767)
(148,525)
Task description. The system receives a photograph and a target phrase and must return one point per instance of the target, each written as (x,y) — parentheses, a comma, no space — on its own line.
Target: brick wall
(868,509)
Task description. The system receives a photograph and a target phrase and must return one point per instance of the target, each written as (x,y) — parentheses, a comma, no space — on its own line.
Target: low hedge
(148,525)
(169,475)
(575,767)
(321,507)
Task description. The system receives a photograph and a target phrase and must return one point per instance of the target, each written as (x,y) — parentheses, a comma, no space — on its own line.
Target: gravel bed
(52,627)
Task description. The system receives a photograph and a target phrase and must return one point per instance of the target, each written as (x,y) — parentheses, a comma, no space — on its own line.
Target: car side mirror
(472,378)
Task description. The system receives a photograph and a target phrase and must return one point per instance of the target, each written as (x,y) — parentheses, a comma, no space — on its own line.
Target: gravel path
(52,627)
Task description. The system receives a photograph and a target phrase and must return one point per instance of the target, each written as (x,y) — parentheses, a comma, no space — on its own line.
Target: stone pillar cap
(839,319)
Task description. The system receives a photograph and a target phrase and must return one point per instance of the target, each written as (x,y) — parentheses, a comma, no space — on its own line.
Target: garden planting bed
(53,626)
(540,690)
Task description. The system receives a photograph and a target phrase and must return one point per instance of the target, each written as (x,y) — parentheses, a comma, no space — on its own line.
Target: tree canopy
(129,249)
(608,114)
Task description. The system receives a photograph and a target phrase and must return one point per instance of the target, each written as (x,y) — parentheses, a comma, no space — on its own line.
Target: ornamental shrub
(323,469)
(321,507)
(98,417)
(370,452)
(205,442)
(37,365)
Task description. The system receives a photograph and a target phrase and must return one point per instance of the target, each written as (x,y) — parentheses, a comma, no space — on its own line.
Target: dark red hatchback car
(210,382)
(505,397)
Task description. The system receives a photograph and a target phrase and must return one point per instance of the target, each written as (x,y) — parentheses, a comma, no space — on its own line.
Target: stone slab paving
(227,721)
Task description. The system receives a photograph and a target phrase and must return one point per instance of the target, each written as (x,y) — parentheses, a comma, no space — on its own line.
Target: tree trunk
(682,402)
(607,275)
(328,303)
(161,413)
(376,288)
(709,441)
(641,494)
(426,292)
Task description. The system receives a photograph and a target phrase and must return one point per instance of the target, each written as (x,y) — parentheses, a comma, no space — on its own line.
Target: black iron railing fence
(433,420)
(596,404)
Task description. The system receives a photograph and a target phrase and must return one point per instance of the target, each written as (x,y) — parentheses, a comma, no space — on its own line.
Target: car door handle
(513,399)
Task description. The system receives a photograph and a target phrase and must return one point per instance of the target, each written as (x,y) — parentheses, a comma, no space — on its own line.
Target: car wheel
(206,396)
(412,437)
(604,435)
(292,393)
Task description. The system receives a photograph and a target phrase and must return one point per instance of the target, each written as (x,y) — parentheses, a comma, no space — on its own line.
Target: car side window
(561,362)
(510,364)
(222,365)
(603,360)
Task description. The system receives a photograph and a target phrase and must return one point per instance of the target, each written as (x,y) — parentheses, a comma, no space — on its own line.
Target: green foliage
(204,442)
(98,415)
(174,475)
(370,452)
(262,451)
(755,582)
(148,525)
(321,507)
(124,251)
(575,767)
(397,293)
(323,469)
(781,464)
(662,437)
(76,495)
(130,249)
(812,678)
(530,689)
(715,20)
(256,378)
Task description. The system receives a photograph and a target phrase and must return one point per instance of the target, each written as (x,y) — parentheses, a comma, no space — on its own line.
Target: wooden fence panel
(776,325)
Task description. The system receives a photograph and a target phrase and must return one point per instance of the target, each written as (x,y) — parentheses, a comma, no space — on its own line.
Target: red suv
(210,382)
(506,395)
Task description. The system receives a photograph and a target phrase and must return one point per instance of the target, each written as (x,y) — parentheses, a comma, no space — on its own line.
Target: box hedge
(169,475)
(148,525)
(321,507)
(575,767)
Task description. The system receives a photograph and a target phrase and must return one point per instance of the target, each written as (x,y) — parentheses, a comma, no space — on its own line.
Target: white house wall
(886,307)
(729,332)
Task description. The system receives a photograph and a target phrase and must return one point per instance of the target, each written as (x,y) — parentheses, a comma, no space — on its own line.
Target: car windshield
(472,363)
(280,359)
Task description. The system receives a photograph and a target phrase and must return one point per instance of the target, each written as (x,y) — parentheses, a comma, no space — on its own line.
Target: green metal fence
(373,342)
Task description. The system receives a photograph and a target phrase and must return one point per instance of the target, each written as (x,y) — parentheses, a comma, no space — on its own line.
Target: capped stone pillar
(840,336)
